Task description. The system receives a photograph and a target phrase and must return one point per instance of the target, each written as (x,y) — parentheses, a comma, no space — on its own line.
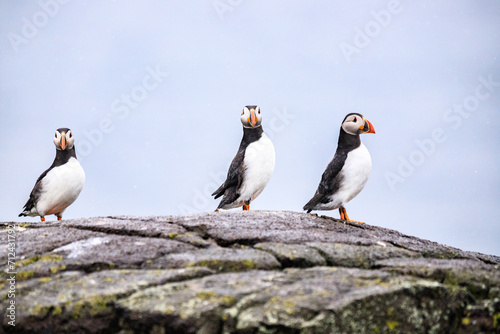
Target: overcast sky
(153,91)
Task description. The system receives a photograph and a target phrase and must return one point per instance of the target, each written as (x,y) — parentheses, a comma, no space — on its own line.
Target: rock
(321,300)
(73,300)
(293,255)
(244,272)
(219,259)
(340,300)
(345,255)
(102,251)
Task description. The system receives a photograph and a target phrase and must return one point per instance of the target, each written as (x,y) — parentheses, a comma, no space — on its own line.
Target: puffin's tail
(311,205)
(25,213)
(219,192)
(307,208)
(28,207)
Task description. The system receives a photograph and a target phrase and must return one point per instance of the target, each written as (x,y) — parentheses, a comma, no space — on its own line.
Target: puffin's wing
(234,175)
(330,182)
(35,194)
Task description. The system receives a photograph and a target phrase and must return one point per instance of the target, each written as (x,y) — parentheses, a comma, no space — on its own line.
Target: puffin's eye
(243,112)
(259,111)
(55,136)
(70,135)
(355,119)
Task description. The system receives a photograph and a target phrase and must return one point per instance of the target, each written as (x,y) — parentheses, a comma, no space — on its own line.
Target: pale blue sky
(153,91)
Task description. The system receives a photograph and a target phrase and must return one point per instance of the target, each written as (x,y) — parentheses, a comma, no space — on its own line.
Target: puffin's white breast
(355,174)
(259,163)
(61,187)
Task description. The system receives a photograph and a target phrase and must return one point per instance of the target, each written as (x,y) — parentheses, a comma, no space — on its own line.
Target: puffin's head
(355,124)
(250,117)
(63,139)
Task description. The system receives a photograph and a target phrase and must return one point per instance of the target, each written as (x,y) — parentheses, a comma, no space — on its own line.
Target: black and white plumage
(251,168)
(59,186)
(348,172)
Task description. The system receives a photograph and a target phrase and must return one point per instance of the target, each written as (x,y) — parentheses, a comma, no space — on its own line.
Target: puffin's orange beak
(253,118)
(367,127)
(63,142)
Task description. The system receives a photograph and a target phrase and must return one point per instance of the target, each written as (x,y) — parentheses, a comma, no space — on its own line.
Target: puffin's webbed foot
(344,216)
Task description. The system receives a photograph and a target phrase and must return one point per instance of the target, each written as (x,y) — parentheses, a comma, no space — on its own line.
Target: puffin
(348,172)
(251,168)
(59,186)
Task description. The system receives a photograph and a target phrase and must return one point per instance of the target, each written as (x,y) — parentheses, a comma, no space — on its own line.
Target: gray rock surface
(244,272)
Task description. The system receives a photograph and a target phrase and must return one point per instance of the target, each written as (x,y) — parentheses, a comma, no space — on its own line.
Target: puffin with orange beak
(59,186)
(348,172)
(252,166)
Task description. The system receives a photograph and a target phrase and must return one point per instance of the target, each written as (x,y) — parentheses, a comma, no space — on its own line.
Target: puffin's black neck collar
(347,141)
(251,135)
(63,157)
(253,131)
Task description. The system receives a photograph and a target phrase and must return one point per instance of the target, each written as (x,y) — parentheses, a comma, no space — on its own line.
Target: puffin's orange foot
(59,218)
(246,207)
(344,216)
(42,219)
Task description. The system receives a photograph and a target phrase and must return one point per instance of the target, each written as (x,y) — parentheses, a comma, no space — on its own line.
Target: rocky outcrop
(244,272)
